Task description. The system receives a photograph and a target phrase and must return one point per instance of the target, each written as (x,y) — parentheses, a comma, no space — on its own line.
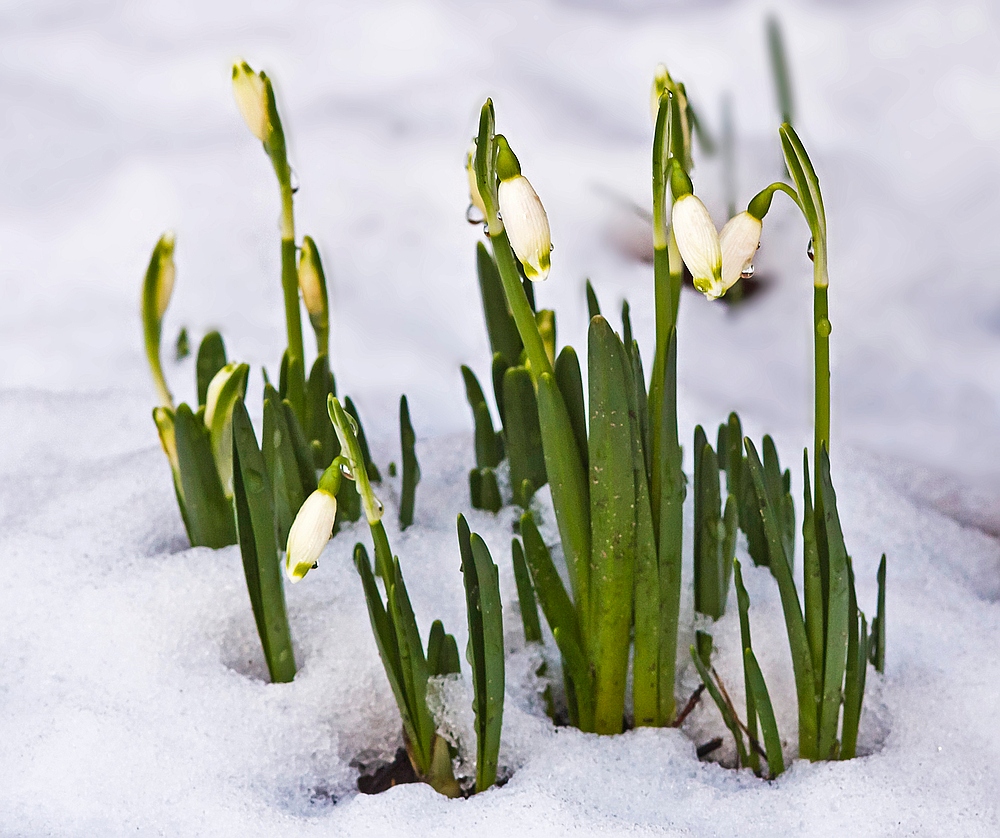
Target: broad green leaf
(613,524)
(570,382)
(411,469)
(768,724)
(500,326)
(523,433)
(211,359)
(209,514)
(255,522)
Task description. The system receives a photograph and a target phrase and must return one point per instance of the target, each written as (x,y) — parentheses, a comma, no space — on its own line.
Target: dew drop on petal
(747,272)
(473,215)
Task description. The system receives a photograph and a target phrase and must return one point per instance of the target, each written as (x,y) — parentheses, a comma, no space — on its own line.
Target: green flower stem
(290,290)
(524,317)
(821,338)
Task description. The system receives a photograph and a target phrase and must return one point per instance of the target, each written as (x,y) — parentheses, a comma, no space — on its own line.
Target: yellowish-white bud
(698,242)
(527,226)
(165,285)
(661,81)
(739,240)
(250,91)
(215,388)
(310,282)
(309,533)
(470,170)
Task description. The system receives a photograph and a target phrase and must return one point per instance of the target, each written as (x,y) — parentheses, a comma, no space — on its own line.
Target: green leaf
(385,639)
(768,724)
(484,490)
(854,678)
(743,603)
(442,652)
(300,449)
(261,566)
(525,595)
(209,514)
(837,616)
(211,359)
(780,564)
(613,524)
(570,382)
(219,423)
(482,596)
(708,571)
(593,307)
(411,469)
(500,326)
(878,624)
(497,371)
(279,462)
(321,436)
(568,484)
(626,325)
(812,579)
(561,617)
(779,70)
(488,443)
(546,320)
(523,433)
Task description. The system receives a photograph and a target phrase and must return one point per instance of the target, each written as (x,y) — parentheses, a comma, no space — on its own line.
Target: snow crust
(133,695)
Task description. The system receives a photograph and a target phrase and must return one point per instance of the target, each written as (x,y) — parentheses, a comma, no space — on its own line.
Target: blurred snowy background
(118,676)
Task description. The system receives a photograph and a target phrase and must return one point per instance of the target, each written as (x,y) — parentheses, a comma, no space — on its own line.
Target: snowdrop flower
(523,215)
(250,91)
(309,534)
(716,260)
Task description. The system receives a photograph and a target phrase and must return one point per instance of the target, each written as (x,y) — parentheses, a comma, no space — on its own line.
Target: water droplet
(315,565)
(747,272)
(254,480)
(810,252)
(551,247)
(823,328)
(352,422)
(474,215)
(293,180)
(345,470)
(379,507)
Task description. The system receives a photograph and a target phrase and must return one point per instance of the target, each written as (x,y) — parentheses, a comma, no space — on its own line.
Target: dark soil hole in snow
(376,779)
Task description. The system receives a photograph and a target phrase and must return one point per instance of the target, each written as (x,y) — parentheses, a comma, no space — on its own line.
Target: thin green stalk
(821,353)
(290,291)
(524,317)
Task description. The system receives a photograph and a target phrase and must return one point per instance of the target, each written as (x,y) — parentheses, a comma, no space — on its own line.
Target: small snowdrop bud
(470,170)
(215,388)
(698,242)
(310,531)
(739,240)
(250,91)
(167,273)
(312,281)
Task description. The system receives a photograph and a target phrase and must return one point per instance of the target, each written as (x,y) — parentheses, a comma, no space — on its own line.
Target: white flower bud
(251,98)
(309,533)
(470,170)
(739,240)
(698,242)
(311,282)
(165,280)
(527,226)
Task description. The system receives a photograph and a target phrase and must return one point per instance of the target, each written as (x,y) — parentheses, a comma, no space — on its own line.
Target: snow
(132,689)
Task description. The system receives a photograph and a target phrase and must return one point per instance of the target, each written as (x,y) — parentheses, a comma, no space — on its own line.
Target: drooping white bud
(309,533)
(698,242)
(250,91)
(527,226)
(739,240)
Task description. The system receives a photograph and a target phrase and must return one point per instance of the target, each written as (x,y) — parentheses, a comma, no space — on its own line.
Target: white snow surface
(133,697)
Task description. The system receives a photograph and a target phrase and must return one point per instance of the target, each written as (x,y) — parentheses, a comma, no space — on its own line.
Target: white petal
(527,226)
(698,243)
(739,240)
(309,533)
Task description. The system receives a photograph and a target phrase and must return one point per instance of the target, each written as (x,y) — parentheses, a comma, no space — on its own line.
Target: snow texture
(133,696)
